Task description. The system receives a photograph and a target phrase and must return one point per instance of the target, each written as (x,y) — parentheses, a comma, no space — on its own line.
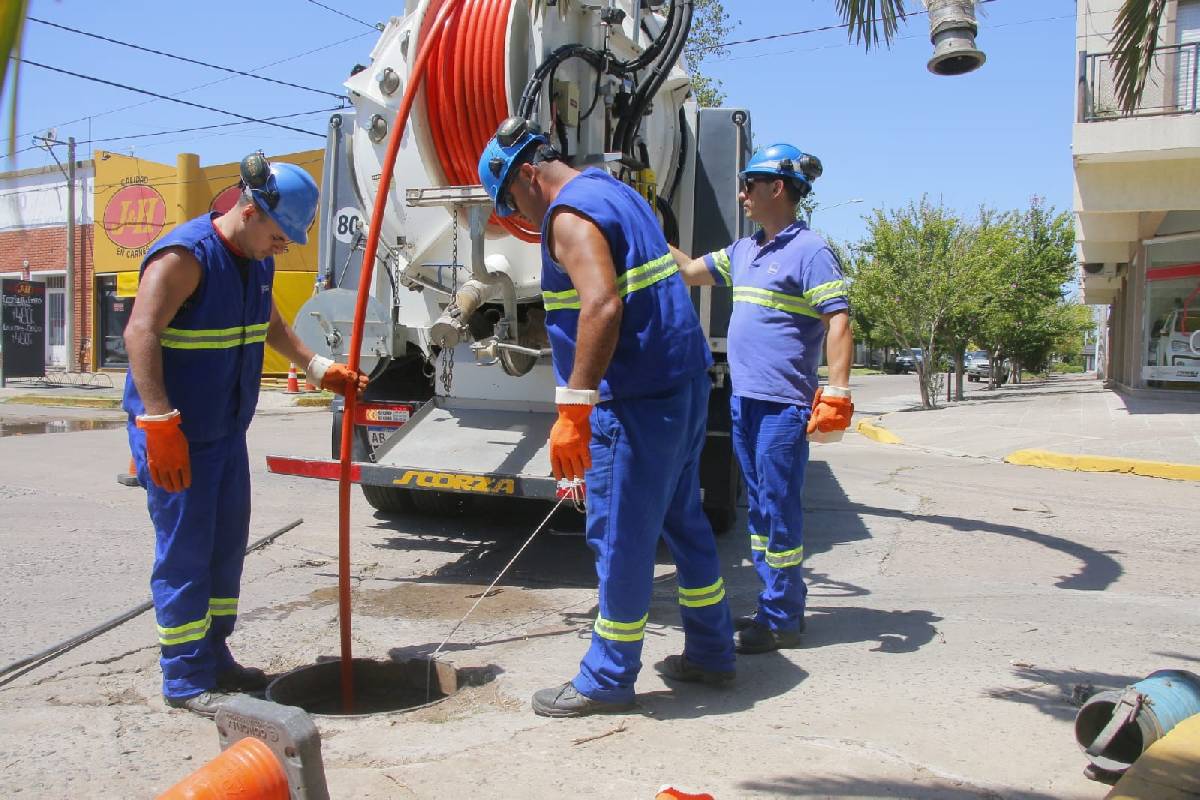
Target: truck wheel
(389,499)
(440,504)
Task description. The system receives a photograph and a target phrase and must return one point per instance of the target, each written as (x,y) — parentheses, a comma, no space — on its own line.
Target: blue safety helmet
(514,138)
(284,192)
(787,162)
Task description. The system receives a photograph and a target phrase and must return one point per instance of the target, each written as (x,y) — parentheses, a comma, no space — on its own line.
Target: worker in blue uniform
(789,297)
(195,339)
(631,363)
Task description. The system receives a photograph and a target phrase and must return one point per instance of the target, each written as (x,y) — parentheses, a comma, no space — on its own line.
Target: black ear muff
(495,165)
(811,167)
(511,131)
(255,172)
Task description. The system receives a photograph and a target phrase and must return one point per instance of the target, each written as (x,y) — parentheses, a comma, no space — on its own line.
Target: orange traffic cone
(248,771)
(293,384)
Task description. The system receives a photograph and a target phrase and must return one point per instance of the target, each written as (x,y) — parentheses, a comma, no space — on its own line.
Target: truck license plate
(377,435)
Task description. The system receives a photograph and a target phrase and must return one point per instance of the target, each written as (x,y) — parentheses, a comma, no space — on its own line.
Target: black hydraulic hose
(647,56)
(533,88)
(682,162)
(631,120)
(50,653)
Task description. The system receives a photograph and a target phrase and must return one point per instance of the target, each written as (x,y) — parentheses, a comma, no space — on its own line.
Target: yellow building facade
(139,201)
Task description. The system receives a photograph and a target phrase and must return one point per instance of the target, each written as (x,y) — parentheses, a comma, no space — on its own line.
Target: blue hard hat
(285,192)
(785,161)
(514,137)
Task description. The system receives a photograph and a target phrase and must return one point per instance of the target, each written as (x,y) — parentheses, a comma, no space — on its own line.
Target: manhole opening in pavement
(379,686)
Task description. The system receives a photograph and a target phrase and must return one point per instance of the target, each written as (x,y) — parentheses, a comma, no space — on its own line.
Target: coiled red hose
(465,97)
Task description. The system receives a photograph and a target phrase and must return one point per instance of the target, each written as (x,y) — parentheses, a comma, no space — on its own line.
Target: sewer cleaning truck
(461,399)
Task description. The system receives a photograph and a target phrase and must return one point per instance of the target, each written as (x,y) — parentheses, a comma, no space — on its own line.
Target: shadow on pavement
(1099,569)
(836,786)
(759,678)
(896,631)
(1059,693)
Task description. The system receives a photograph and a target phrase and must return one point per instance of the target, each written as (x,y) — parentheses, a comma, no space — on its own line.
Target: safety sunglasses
(749,182)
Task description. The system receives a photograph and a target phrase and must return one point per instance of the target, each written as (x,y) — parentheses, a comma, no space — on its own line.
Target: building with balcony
(1137,203)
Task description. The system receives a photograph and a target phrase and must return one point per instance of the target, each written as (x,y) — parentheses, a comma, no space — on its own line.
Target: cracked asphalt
(958,607)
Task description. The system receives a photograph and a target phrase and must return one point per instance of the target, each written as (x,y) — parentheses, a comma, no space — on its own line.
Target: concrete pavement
(1069,422)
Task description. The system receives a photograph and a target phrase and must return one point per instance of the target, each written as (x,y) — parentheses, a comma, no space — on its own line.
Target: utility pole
(69,305)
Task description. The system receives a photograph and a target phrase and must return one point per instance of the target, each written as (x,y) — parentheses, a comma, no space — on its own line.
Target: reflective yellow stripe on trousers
(705,596)
(214,338)
(785,558)
(630,281)
(187,632)
(223,606)
(621,631)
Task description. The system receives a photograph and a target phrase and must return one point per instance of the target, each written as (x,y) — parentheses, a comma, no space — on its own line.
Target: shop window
(1173,327)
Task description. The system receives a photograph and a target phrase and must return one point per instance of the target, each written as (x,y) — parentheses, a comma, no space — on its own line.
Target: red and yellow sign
(134,216)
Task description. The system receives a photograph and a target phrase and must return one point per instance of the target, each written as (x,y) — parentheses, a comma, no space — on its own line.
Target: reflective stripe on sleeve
(706,596)
(621,631)
(720,260)
(825,292)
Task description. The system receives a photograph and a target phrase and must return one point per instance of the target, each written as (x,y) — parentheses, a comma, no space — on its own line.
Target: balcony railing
(1171,87)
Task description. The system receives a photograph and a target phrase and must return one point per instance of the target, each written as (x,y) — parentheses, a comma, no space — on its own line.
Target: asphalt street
(958,608)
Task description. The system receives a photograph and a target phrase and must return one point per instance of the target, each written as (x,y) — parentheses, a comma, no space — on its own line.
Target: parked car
(903,361)
(1175,340)
(978,366)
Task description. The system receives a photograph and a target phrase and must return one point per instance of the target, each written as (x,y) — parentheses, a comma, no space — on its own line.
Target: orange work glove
(167,455)
(830,413)
(337,378)
(571,436)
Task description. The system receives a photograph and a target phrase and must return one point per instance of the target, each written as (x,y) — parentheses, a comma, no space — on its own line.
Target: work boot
(741,623)
(758,638)
(242,679)
(566,701)
(678,668)
(205,704)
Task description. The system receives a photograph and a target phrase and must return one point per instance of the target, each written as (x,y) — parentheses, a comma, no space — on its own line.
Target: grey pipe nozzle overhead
(952,31)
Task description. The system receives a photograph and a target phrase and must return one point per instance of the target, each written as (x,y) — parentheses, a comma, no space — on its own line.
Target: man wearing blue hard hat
(195,339)
(789,297)
(631,363)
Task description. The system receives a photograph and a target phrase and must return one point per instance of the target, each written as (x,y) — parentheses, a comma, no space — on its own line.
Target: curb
(65,402)
(872,429)
(317,401)
(1084,463)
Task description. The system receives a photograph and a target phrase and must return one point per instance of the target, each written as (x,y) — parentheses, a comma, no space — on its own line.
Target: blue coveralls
(212,354)
(647,433)
(781,288)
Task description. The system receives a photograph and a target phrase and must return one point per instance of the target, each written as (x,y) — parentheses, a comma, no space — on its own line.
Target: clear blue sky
(886,129)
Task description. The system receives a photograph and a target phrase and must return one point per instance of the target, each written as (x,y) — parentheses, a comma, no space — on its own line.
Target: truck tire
(439,504)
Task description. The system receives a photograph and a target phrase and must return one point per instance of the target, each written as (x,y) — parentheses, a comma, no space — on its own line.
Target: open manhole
(379,686)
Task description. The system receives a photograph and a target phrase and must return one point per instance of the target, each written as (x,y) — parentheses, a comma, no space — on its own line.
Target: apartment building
(1137,202)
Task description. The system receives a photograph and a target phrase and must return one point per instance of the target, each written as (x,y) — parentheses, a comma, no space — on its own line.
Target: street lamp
(849,202)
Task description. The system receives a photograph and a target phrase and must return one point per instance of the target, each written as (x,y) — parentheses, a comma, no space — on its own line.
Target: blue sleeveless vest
(661,342)
(212,351)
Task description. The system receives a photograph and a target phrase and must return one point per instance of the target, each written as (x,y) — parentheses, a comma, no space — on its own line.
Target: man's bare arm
(582,250)
(694,271)
(839,346)
(167,281)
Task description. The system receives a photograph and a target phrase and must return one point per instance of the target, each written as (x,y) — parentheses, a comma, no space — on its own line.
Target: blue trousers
(645,484)
(199,545)
(772,449)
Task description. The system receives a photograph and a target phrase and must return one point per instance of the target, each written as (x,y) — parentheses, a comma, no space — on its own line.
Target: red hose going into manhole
(428,44)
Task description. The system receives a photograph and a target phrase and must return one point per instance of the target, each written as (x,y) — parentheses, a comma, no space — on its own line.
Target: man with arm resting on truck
(631,364)
(195,340)
(788,295)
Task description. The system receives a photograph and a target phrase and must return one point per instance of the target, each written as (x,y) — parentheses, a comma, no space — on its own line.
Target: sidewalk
(102,391)
(1072,416)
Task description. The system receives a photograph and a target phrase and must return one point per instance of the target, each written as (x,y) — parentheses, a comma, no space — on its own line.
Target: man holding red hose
(195,340)
(631,363)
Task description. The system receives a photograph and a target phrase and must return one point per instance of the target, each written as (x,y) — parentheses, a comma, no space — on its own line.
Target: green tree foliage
(12,21)
(711,27)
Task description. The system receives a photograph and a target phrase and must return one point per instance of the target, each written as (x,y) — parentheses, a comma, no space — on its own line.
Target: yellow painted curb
(65,402)
(314,401)
(1084,463)
(880,434)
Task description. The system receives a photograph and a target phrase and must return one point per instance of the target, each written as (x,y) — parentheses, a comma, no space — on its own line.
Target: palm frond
(1135,36)
(870,21)
(12,21)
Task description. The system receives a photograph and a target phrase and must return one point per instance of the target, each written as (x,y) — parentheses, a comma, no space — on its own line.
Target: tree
(711,27)
(912,279)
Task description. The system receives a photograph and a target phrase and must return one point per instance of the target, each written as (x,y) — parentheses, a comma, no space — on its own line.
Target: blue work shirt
(780,290)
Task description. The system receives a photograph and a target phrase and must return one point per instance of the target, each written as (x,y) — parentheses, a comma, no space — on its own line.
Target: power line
(165,97)
(205,127)
(347,16)
(182,58)
(199,86)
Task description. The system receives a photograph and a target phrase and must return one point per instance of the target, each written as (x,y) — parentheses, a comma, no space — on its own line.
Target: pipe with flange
(952,30)
(1117,726)
(451,326)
